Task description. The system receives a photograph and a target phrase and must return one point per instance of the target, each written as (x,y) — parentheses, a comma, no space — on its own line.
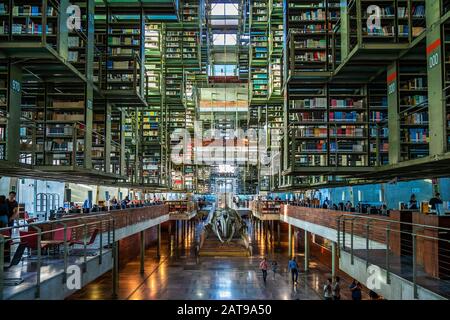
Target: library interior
(225,149)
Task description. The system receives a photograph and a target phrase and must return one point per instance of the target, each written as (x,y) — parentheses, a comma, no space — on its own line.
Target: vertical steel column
(306,250)
(333,259)
(351,241)
(388,267)
(2,261)
(414,247)
(115,256)
(367,243)
(142,251)
(290,241)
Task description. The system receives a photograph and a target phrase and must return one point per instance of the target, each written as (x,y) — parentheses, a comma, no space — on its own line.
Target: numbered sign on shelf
(15,86)
(392,82)
(434,54)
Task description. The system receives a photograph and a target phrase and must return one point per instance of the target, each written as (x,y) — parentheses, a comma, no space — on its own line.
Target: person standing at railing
(435,201)
(13,208)
(348,206)
(326,203)
(412,204)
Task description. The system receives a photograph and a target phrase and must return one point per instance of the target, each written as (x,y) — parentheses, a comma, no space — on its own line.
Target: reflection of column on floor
(272,227)
(279,233)
(158,248)
(142,250)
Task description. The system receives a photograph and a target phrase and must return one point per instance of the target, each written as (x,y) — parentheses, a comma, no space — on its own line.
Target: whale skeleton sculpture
(226,223)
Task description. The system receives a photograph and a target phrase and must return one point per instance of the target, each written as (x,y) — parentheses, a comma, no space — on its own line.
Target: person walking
(263,267)
(274,268)
(13,208)
(293,268)
(337,288)
(355,288)
(328,290)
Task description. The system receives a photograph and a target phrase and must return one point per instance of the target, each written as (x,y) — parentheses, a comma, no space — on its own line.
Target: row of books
(416,83)
(417,118)
(312,28)
(352,116)
(31,28)
(377,116)
(413,100)
(314,15)
(311,43)
(309,117)
(121,41)
(309,103)
(346,103)
(380,132)
(415,135)
(28,10)
(311,57)
(382,147)
(348,131)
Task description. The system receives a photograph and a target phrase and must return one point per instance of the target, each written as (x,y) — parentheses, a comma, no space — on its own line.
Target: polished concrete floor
(179,274)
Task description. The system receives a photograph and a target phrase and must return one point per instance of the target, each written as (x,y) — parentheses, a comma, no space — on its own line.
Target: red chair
(30,240)
(91,240)
(58,235)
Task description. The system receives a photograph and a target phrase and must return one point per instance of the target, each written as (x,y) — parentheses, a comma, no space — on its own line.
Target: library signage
(433,53)
(15,85)
(392,82)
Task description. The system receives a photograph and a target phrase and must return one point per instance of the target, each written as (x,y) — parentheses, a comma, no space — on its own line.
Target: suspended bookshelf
(348,126)
(310,26)
(276,48)
(77,40)
(117,133)
(446,45)
(413,109)
(24,20)
(190,11)
(259,49)
(308,126)
(60,136)
(400,21)
(150,143)
(32,121)
(203,179)
(151,116)
(4,20)
(153,58)
(378,125)
(100,50)
(3,108)
(125,55)
(131,131)
(99,120)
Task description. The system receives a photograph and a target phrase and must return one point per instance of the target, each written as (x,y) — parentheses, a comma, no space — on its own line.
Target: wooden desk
(433,254)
